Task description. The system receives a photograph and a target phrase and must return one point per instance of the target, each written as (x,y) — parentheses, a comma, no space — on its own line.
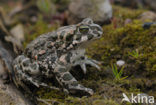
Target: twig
(44,101)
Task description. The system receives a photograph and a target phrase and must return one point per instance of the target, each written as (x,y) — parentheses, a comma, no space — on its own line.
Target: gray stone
(146,16)
(99,10)
(120,62)
(18,32)
(151,3)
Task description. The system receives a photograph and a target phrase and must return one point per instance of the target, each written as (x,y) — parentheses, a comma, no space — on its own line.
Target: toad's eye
(84,29)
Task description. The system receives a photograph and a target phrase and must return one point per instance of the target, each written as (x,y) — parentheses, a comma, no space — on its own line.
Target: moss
(40,27)
(105,102)
(124,13)
(117,44)
(56,94)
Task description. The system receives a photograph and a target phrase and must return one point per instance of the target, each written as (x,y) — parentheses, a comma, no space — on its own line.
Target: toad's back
(54,53)
(41,46)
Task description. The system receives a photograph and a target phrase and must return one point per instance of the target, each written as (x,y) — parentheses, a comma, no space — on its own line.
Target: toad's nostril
(95,32)
(99,35)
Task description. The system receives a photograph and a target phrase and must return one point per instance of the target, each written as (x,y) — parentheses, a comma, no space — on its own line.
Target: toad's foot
(80,89)
(85,62)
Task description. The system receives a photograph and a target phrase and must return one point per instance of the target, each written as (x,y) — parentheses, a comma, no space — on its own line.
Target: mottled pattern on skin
(54,53)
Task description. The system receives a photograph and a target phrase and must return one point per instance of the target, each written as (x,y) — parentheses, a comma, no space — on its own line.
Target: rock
(120,62)
(6,37)
(137,3)
(129,3)
(9,95)
(99,10)
(149,15)
(18,32)
(147,25)
(151,4)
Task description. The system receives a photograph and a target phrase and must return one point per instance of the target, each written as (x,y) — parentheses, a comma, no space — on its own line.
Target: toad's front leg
(78,58)
(68,82)
(83,61)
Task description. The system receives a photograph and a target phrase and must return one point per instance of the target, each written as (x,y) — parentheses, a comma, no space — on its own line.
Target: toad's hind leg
(66,79)
(23,68)
(25,71)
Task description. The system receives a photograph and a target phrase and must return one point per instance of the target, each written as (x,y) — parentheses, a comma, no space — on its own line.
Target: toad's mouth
(86,44)
(81,45)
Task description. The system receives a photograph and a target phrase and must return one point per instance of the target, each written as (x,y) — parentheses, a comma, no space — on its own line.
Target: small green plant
(118,73)
(134,53)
